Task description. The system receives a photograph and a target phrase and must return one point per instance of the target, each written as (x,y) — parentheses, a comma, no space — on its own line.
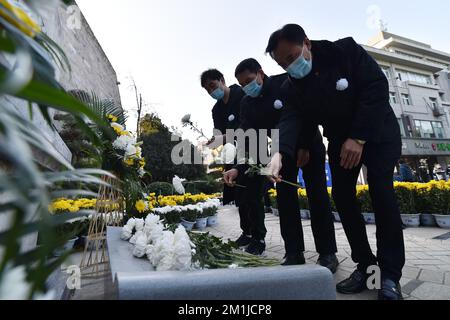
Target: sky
(165,45)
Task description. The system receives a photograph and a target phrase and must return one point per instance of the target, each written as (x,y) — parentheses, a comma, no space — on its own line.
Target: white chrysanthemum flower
(162,252)
(131,151)
(141,246)
(178,185)
(229,153)
(122,142)
(186,119)
(136,236)
(140,224)
(127,233)
(155,233)
(182,259)
(131,223)
(152,219)
(13,285)
(342,85)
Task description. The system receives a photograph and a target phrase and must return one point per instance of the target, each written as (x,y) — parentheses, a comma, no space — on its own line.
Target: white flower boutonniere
(231,118)
(278,104)
(342,85)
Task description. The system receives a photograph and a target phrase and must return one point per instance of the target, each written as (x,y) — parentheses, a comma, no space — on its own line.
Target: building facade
(419,85)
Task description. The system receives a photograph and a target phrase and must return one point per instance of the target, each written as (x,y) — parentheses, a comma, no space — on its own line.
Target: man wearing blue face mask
(340,86)
(261,109)
(226,116)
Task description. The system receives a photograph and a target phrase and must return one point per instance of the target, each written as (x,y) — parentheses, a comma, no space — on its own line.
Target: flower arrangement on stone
(179,251)
(166,250)
(127,148)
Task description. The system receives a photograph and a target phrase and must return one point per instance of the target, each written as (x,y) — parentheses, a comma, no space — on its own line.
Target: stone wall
(91,72)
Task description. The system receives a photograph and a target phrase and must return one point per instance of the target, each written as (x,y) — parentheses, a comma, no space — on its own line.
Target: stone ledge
(135,280)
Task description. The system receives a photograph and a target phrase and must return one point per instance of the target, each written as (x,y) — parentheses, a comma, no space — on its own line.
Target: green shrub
(405,199)
(161,188)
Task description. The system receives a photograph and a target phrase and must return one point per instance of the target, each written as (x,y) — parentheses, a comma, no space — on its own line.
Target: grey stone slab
(431,276)
(135,280)
(432,291)
(447,279)
(411,286)
(411,272)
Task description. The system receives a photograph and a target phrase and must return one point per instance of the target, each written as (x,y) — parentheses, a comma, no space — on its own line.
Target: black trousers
(251,206)
(322,222)
(229,194)
(380,160)
(268,185)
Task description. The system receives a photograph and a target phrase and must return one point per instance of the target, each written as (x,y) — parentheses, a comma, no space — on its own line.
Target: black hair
(211,74)
(251,65)
(290,32)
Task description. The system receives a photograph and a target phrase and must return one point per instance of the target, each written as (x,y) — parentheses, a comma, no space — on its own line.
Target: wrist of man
(360,142)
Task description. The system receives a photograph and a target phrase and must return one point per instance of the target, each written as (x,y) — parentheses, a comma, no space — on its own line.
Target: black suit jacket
(360,111)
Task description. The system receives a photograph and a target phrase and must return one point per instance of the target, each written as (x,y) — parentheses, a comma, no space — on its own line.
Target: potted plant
(423,203)
(441,200)
(68,234)
(406,204)
(172,217)
(365,201)
(202,219)
(212,214)
(189,216)
(303,203)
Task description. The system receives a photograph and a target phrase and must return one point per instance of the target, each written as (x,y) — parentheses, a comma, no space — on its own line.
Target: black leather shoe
(256,247)
(357,283)
(390,291)
(243,241)
(329,261)
(294,260)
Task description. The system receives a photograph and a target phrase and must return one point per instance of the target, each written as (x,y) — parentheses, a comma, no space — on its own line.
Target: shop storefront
(425,155)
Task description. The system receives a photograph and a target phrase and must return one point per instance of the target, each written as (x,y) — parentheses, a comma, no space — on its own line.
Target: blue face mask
(253,89)
(218,94)
(300,68)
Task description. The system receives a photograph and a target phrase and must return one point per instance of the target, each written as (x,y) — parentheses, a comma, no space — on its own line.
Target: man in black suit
(339,86)
(261,109)
(226,116)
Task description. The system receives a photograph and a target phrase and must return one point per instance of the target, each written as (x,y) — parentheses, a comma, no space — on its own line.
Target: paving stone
(447,279)
(425,262)
(432,291)
(411,272)
(432,276)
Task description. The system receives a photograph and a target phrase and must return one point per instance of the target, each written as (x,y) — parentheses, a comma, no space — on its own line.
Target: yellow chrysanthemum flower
(140,206)
(129,162)
(21,19)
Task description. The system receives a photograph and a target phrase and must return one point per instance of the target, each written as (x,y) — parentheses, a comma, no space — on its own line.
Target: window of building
(438,129)
(393,97)
(434,103)
(429,129)
(405,99)
(386,71)
(402,128)
(404,75)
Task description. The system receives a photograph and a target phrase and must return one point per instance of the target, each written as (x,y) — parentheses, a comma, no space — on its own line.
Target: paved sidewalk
(427,270)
